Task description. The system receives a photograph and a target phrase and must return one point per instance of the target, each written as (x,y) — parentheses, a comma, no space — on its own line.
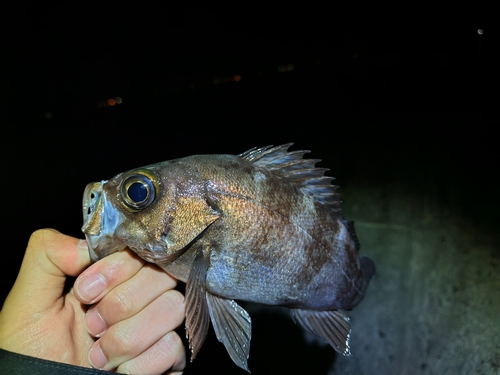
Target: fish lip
(100,222)
(102,246)
(92,252)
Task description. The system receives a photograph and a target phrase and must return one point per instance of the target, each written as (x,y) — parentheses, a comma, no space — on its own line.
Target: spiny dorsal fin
(295,168)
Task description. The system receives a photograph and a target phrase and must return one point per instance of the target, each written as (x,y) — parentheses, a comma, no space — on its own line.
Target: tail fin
(367,268)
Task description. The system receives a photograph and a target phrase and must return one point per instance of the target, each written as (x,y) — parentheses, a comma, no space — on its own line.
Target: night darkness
(400,104)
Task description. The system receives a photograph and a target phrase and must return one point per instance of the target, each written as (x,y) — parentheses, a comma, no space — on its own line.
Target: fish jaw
(100,221)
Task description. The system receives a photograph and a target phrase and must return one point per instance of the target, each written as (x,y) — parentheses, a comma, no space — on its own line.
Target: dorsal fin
(292,166)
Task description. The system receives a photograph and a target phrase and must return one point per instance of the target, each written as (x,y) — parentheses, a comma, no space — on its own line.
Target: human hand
(138,308)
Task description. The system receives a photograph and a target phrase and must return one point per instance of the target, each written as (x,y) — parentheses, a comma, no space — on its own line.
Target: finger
(128,298)
(50,256)
(106,274)
(128,338)
(167,353)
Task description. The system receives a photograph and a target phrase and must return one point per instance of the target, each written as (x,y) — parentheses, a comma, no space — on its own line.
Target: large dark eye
(138,190)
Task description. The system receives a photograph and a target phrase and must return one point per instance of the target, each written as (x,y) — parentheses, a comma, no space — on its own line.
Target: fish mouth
(100,222)
(92,251)
(102,246)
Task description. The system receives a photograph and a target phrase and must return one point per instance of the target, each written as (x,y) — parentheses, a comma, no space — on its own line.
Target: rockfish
(263,226)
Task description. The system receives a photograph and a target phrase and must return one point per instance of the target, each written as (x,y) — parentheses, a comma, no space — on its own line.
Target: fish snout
(90,206)
(100,221)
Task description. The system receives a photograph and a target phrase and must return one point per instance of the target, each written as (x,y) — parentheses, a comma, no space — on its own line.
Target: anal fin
(197,316)
(333,326)
(233,327)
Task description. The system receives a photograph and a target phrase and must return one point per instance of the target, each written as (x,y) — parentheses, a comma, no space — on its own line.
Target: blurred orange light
(111,102)
(237,77)
(285,68)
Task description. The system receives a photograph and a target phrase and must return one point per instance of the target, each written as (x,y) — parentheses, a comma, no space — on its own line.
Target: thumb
(50,257)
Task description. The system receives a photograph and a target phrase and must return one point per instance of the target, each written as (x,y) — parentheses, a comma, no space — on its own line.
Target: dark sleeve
(18,364)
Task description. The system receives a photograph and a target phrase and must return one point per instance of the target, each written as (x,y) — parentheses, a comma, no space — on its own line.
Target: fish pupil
(138,192)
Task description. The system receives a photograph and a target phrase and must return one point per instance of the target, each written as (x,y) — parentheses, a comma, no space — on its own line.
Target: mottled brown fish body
(263,226)
(273,244)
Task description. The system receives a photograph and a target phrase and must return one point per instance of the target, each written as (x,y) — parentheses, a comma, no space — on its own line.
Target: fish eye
(139,189)
(138,192)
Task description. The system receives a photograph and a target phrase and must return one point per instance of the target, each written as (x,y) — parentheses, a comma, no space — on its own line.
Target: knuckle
(42,236)
(39,233)
(131,367)
(173,300)
(173,342)
(167,353)
(119,266)
(120,341)
(172,303)
(174,348)
(123,302)
(113,267)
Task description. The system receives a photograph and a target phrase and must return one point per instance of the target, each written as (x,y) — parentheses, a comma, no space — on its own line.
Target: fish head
(154,211)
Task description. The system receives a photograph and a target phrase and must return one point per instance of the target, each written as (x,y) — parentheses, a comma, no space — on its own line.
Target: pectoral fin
(233,328)
(333,326)
(197,316)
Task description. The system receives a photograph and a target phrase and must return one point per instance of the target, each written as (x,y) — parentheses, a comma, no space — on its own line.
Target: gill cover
(190,216)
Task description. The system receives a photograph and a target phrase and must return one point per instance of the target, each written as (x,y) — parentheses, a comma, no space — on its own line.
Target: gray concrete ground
(434,305)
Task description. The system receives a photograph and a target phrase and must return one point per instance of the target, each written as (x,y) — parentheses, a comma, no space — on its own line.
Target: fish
(264,226)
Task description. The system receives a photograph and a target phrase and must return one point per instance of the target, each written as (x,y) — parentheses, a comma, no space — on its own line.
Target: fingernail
(97,358)
(82,244)
(95,323)
(91,286)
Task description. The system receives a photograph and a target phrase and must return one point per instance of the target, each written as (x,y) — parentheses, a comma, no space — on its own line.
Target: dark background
(385,96)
